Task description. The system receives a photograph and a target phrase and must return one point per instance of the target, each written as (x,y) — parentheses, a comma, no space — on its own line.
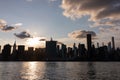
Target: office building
(89,42)
(51,50)
(6,52)
(113,43)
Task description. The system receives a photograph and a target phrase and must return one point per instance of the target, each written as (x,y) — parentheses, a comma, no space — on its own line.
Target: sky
(66,21)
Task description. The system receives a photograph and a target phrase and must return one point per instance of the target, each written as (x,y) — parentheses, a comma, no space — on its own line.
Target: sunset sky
(67,21)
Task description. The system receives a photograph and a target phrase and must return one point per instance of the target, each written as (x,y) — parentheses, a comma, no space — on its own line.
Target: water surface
(59,71)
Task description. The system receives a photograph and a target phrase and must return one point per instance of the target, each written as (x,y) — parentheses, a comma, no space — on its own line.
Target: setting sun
(35,42)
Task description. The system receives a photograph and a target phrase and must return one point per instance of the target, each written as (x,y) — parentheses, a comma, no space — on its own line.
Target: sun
(35,42)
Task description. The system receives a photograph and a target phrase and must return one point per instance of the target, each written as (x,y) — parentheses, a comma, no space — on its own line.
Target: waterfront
(59,71)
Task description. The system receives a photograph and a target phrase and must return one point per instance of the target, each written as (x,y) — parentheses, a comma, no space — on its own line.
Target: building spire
(15,42)
(14,47)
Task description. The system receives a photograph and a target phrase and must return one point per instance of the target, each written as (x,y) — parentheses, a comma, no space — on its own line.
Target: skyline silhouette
(60,52)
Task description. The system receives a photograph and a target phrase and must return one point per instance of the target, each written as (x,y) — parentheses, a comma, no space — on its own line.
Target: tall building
(21,48)
(0,48)
(109,46)
(75,50)
(14,47)
(113,43)
(82,49)
(97,45)
(30,49)
(21,52)
(89,46)
(6,52)
(89,42)
(51,50)
(63,50)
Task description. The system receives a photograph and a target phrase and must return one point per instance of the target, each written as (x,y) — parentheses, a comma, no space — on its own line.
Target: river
(59,70)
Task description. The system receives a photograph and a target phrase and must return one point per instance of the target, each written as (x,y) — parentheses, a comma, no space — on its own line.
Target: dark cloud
(23,35)
(80,34)
(8,28)
(96,9)
(42,39)
(5,27)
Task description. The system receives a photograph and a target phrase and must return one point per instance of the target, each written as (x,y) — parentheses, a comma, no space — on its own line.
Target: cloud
(98,10)
(8,28)
(2,23)
(23,35)
(5,27)
(81,34)
(18,24)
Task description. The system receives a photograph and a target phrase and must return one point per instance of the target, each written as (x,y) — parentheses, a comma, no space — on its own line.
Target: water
(59,71)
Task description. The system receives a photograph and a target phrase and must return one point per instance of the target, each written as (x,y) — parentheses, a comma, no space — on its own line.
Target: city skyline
(67,21)
(56,51)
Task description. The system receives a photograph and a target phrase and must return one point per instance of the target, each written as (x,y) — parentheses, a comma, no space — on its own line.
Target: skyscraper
(14,47)
(75,50)
(89,46)
(97,45)
(0,48)
(30,49)
(51,50)
(113,43)
(109,46)
(6,52)
(63,50)
(89,42)
(21,49)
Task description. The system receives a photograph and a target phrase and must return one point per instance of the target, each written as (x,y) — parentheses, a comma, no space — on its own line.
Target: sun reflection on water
(33,70)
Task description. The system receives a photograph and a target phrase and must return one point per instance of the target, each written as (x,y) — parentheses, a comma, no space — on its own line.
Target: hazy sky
(67,21)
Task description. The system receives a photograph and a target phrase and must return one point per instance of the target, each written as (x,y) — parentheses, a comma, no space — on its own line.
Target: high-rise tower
(89,42)
(51,49)
(113,43)
(14,47)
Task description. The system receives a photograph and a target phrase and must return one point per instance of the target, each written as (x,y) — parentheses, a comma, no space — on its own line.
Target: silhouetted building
(79,49)
(83,50)
(75,50)
(97,45)
(113,43)
(0,48)
(63,50)
(6,52)
(14,47)
(21,52)
(21,48)
(89,44)
(70,52)
(30,49)
(51,50)
(58,50)
(109,46)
